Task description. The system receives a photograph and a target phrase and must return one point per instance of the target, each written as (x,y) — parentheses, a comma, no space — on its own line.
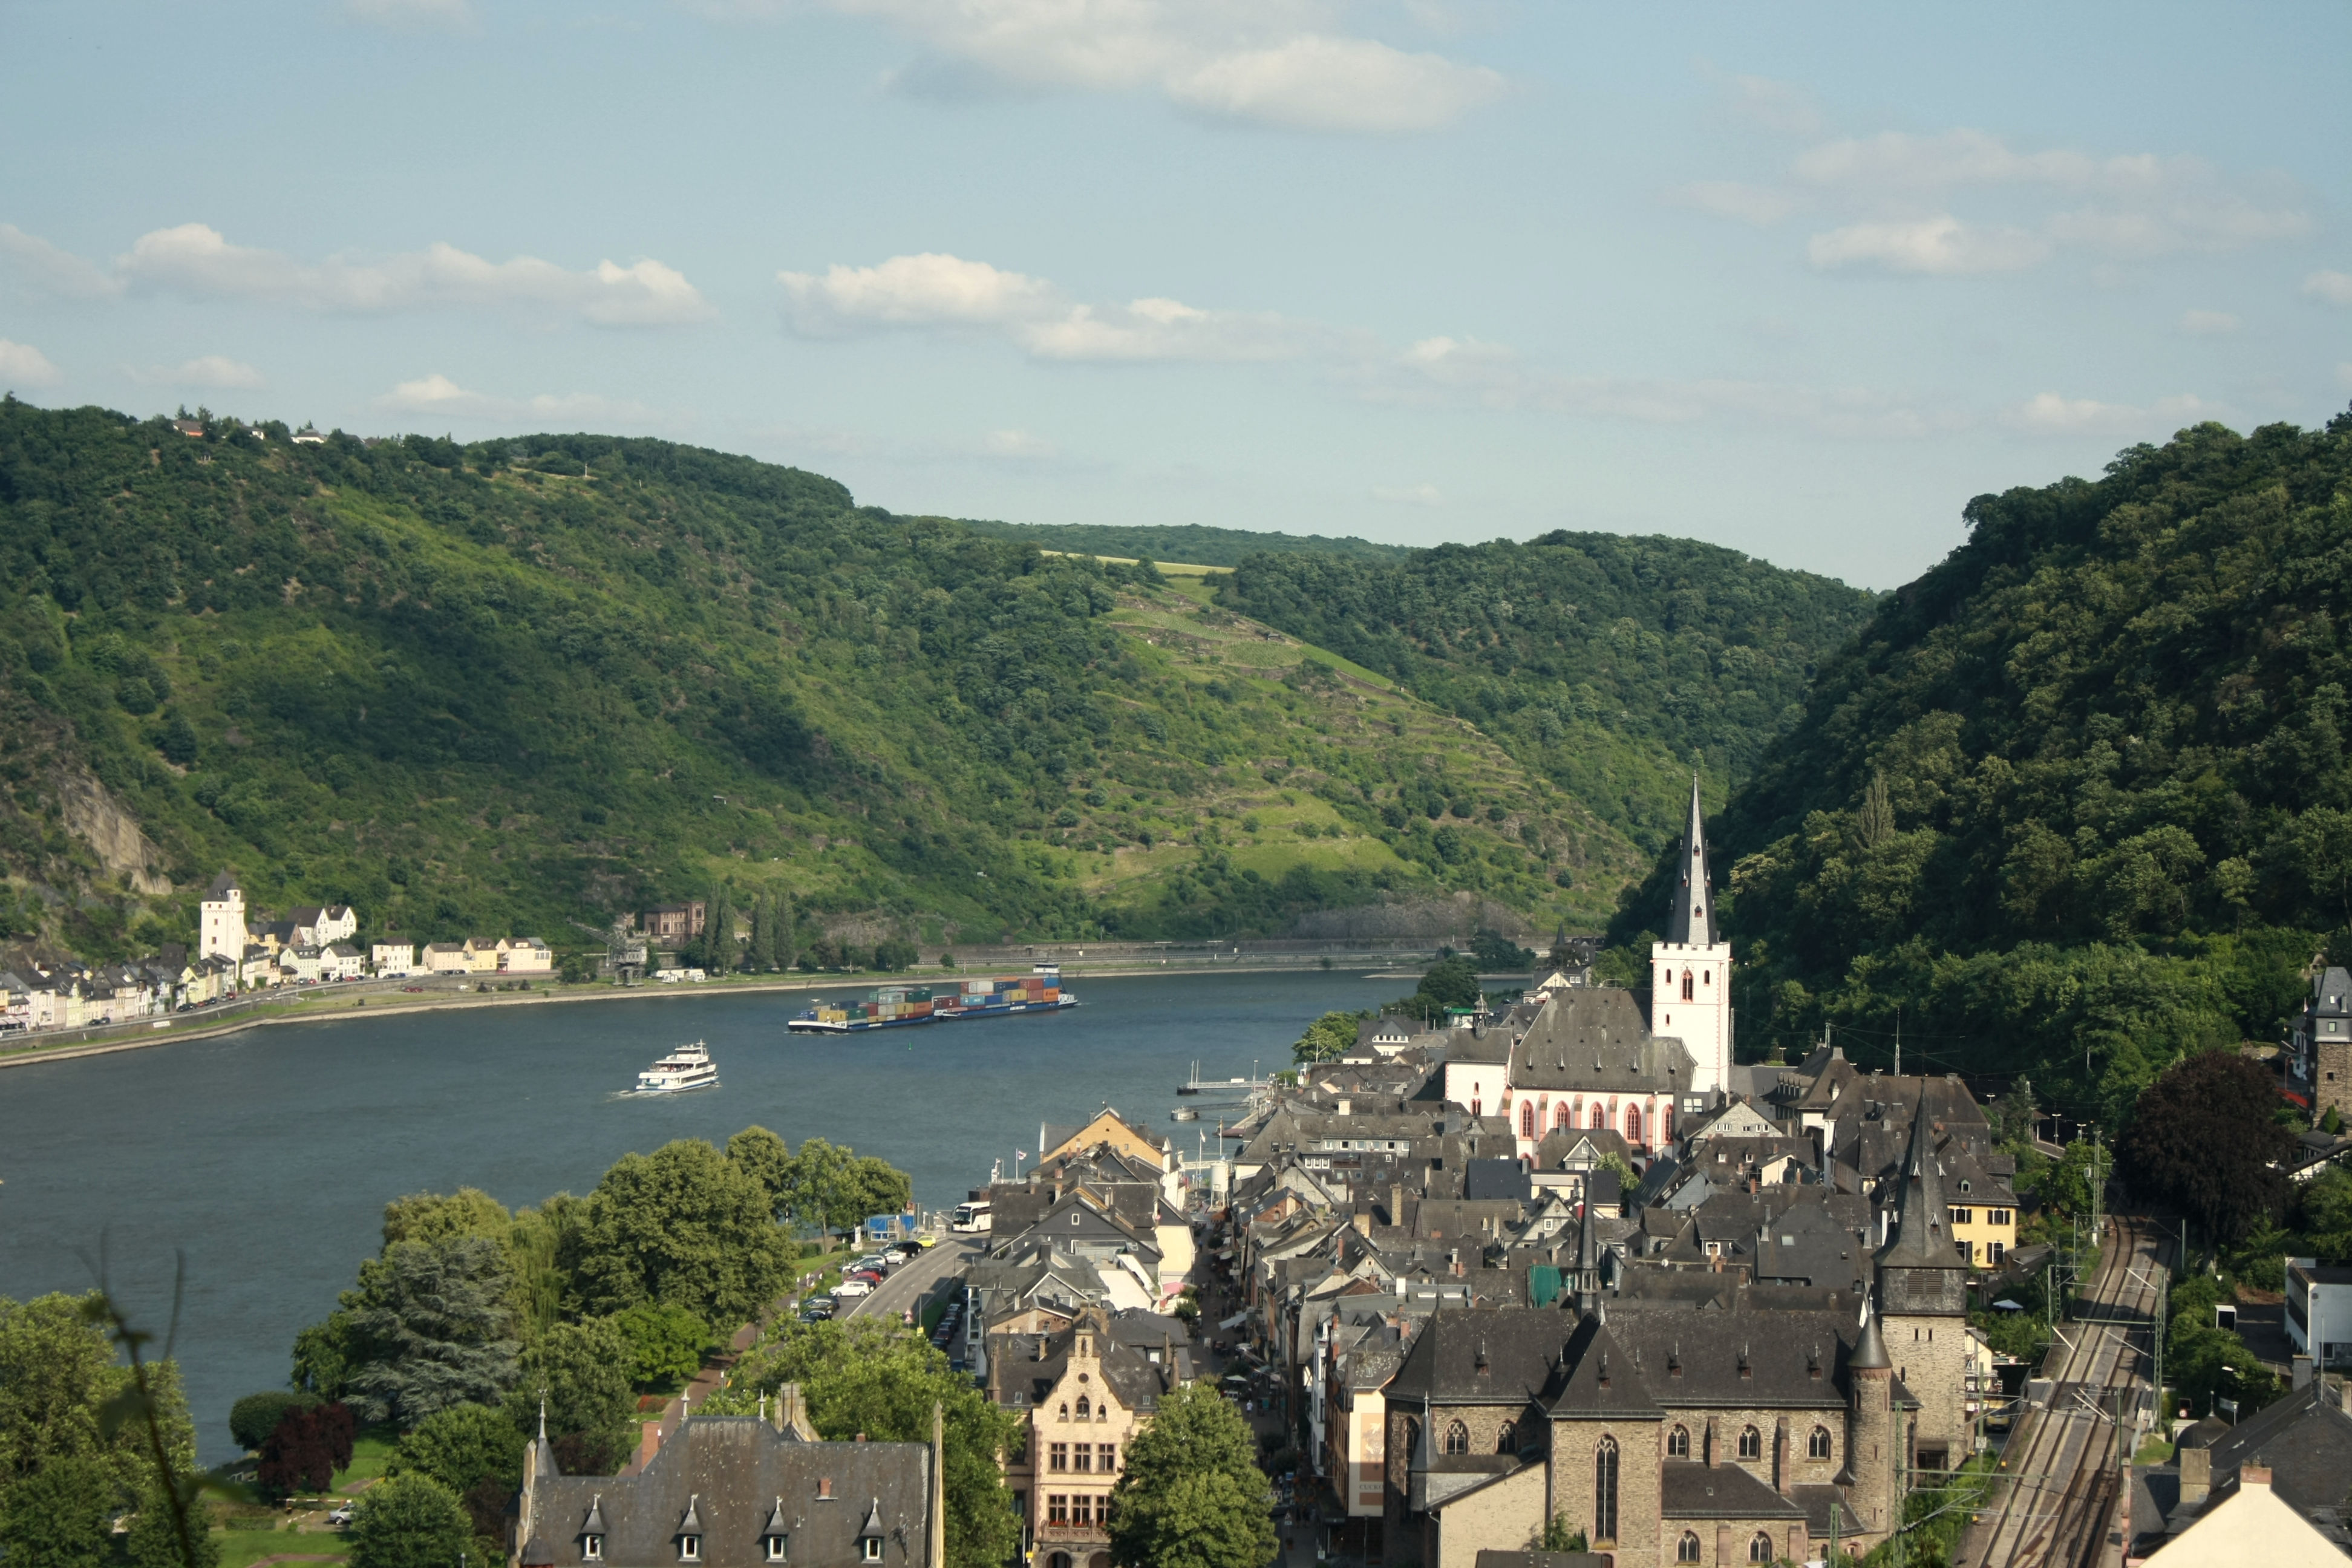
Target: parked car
(871,1276)
(341,1516)
(855,1285)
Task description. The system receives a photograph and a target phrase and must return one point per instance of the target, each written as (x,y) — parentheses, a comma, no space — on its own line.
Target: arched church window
(1678,1443)
(1526,1119)
(1457,1438)
(1507,1441)
(1634,1124)
(1600,1120)
(1818,1446)
(1751,1443)
(1687,1549)
(1687,992)
(1604,1490)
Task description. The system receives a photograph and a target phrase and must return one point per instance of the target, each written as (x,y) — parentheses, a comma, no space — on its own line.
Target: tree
(61,1388)
(877,1378)
(879,1187)
(767,1159)
(473,1450)
(1326,1038)
(431,1217)
(153,1540)
(2202,1141)
(1451,982)
(60,1516)
(433,1328)
(252,1419)
(179,745)
(408,1522)
(1492,950)
(666,1342)
(1192,1496)
(833,1188)
(303,1452)
(687,1225)
(582,1371)
(755,954)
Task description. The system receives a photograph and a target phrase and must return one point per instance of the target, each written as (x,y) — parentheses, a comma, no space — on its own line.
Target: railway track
(2061,1482)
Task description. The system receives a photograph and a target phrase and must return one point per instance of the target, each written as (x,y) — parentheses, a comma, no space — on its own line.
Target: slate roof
(1497,1179)
(1688,1490)
(1667,1355)
(1690,918)
(1519,1348)
(1595,1041)
(733,1472)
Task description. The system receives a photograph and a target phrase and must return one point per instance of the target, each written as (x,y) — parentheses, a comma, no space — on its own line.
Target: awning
(2006,1305)
(1237,1320)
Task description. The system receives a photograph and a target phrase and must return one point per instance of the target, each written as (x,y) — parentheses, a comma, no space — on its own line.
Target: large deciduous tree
(581,1372)
(688,1225)
(2203,1140)
(1192,1496)
(1325,1040)
(409,1521)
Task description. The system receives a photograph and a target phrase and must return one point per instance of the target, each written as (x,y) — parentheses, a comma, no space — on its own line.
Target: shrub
(252,1419)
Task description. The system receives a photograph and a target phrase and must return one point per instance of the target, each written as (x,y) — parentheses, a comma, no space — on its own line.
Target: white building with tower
(220,920)
(1691,967)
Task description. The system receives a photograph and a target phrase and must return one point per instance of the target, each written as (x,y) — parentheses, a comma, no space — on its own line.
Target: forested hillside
(1604,663)
(530,684)
(2075,801)
(1191,543)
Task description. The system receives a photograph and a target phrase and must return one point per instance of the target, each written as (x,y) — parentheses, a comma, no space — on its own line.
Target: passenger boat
(688,1067)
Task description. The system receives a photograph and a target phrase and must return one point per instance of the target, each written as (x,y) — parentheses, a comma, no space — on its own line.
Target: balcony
(1073,1534)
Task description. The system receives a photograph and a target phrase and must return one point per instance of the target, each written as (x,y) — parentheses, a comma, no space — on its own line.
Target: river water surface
(267,1157)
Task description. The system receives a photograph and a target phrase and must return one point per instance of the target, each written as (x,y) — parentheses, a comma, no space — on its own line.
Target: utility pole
(2098,1186)
(1898,1042)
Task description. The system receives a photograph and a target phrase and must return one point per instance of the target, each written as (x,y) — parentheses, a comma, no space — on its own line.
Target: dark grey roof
(222,885)
(1519,1347)
(734,1473)
(1688,1490)
(1497,1179)
(2305,1439)
(1690,917)
(1595,1040)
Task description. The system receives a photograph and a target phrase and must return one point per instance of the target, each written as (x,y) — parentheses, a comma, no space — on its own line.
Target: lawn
(243,1548)
(370,1452)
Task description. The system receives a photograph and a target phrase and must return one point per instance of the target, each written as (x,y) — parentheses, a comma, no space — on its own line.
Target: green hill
(1189,543)
(1603,664)
(524,685)
(2076,800)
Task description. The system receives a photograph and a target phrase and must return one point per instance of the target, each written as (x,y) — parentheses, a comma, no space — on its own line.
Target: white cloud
(1939,244)
(22,364)
(1759,204)
(196,260)
(438,395)
(2344,373)
(208,370)
(2050,414)
(1266,62)
(1409,495)
(1016,446)
(1316,83)
(2209,323)
(935,291)
(411,13)
(2329,288)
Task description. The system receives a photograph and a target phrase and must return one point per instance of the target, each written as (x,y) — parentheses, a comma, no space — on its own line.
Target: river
(266,1157)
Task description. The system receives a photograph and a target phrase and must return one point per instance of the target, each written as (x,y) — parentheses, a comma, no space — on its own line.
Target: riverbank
(373,999)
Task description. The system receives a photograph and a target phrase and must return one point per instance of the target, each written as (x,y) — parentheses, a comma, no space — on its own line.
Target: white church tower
(220,923)
(1692,968)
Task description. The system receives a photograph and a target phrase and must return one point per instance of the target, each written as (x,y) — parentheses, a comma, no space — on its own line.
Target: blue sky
(1796,279)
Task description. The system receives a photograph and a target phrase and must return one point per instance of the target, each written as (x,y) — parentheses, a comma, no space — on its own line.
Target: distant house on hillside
(307,435)
(675,922)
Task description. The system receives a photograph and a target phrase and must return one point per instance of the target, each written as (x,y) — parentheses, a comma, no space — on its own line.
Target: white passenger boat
(688,1067)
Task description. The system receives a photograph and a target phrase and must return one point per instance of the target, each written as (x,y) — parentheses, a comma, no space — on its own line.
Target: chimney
(2302,1373)
(2253,1476)
(1396,1204)
(1362,1219)
(1347,1107)
(2197,1474)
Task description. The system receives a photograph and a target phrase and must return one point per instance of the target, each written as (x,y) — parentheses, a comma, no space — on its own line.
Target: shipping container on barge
(1039,991)
(899,1006)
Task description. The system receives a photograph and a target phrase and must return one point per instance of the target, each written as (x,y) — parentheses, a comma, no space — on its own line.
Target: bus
(971,1218)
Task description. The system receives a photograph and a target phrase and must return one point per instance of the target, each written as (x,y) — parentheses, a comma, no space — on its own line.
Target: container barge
(903,1006)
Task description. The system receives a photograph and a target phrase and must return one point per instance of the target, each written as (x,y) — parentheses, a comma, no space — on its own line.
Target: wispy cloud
(419,14)
(938,292)
(1409,495)
(22,364)
(2208,323)
(1781,108)
(2329,288)
(196,261)
(1903,195)
(438,395)
(2050,414)
(217,371)
(1280,63)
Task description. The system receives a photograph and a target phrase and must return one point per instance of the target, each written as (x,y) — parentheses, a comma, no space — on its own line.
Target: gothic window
(1634,1124)
(1760,1548)
(1688,993)
(1678,1443)
(1600,1120)
(1818,1448)
(1560,1119)
(1457,1438)
(1665,1122)
(1604,1491)
(1086,1411)
(1507,1441)
(1411,1437)
(1526,1119)
(1751,1443)
(1687,1549)
(1065,1411)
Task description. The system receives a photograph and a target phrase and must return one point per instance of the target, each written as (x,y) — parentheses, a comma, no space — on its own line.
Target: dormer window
(777,1539)
(689,1533)
(871,1549)
(592,1549)
(690,1549)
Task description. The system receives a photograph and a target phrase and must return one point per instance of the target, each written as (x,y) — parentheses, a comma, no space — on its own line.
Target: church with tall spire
(1691,965)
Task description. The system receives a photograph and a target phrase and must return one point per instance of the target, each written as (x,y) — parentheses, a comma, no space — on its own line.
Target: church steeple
(1690,919)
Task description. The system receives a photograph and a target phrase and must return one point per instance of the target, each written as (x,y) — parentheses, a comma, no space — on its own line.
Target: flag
(1021,1154)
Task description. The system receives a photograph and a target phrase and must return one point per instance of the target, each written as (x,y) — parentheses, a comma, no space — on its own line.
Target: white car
(854,1287)
(341,1516)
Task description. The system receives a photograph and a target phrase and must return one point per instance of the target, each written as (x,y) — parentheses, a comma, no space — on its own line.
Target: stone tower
(1874,1441)
(1691,967)
(220,924)
(1923,1294)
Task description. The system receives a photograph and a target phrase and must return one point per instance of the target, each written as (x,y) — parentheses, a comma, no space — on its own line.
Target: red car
(871,1276)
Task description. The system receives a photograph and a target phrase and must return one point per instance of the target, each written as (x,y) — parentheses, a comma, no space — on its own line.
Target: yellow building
(1081,1397)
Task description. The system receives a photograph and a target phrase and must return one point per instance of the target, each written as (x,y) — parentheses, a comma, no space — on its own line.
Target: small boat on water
(688,1067)
(1185,1113)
